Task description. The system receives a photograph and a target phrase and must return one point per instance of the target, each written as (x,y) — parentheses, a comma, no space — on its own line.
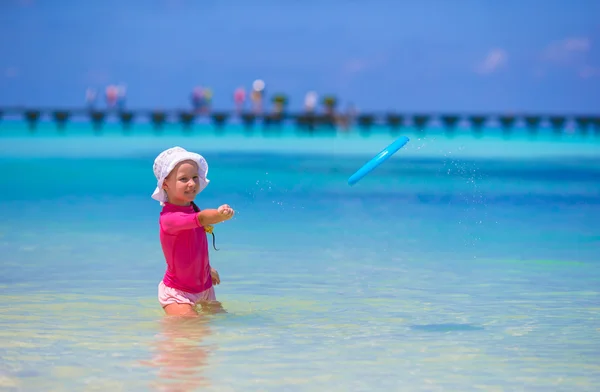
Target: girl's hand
(226,211)
(215,276)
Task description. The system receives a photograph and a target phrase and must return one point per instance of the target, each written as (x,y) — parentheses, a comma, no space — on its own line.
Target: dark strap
(196,209)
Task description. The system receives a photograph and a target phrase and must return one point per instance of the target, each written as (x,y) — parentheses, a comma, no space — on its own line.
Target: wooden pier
(310,122)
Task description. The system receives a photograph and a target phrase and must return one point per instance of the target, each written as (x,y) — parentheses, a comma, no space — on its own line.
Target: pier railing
(310,122)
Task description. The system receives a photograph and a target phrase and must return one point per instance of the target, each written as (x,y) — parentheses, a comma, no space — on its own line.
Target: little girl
(189,279)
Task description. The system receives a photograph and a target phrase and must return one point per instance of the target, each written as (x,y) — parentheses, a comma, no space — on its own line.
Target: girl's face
(182,183)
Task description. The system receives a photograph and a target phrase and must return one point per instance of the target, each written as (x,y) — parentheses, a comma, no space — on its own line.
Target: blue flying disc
(377,160)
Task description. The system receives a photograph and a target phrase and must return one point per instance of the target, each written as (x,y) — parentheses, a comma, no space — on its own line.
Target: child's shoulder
(167,212)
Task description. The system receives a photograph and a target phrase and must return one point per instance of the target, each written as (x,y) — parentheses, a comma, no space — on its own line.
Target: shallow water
(443,270)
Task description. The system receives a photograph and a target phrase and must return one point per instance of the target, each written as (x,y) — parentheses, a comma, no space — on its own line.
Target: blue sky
(422,55)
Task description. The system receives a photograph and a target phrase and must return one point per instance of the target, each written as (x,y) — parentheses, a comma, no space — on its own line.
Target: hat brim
(159,193)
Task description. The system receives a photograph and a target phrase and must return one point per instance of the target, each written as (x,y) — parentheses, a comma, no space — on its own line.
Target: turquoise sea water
(461,264)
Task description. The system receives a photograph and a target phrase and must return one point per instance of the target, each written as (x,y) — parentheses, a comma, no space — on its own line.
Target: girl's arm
(211,216)
(175,222)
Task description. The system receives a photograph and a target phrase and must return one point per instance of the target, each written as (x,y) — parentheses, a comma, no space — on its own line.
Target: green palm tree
(280,101)
(330,103)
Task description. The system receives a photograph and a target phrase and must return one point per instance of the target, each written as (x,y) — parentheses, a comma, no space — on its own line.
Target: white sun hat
(166,161)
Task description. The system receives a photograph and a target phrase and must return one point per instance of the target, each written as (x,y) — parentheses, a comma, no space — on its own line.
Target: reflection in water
(446,327)
(180,355)
(211,307)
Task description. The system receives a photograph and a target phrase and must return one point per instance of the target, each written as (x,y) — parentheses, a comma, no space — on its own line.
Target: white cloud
(588,71)
(97,76)
(567,51)
(357,65)
(11,72)
(354,66)
(571,53)
(494,60)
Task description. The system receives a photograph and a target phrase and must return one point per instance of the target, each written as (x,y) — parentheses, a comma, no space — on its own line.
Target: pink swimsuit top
(185,247)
